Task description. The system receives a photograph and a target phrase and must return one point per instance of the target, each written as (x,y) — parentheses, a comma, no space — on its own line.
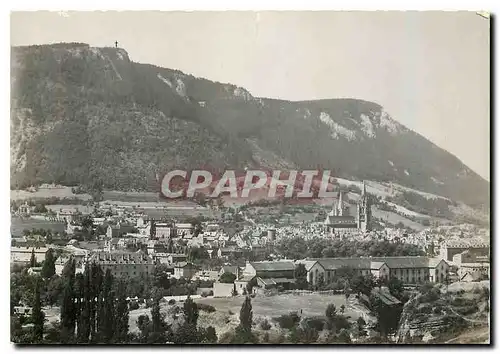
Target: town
(214,255)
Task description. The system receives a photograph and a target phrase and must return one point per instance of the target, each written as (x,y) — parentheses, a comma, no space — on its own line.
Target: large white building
(123,265)
(410,270)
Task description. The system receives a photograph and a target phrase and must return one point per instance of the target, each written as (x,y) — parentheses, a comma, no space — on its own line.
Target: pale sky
(429,70)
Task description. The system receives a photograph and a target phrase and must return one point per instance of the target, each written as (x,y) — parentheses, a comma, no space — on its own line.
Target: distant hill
(81,114)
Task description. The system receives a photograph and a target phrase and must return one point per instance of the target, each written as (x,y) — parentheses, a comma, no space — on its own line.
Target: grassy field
(272,306)
(42,193)
(226,316)
(18,225)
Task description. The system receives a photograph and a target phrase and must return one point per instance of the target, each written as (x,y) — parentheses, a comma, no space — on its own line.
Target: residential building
(169,258)
(270,274)
(449,249)
(163,230)
(472,264)
(124,265)
(232,252)
(119,230)
(184,270)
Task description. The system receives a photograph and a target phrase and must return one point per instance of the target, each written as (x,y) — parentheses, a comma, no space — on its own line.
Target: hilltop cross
(116,44)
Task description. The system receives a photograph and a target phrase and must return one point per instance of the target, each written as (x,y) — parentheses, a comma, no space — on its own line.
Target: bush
(265,325)
(205,307)
(316,323)
(430,296)
(171,302)
(288,321)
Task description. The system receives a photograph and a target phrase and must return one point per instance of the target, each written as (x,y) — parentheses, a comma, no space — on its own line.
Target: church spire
(364,188)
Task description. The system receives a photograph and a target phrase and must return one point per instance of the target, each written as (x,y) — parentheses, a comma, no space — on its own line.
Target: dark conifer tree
(106,313)
(33,258)
(37,316)
(49,264)
(68,314)
(121,316)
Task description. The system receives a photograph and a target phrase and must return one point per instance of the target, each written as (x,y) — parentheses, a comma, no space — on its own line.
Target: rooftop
(273,266)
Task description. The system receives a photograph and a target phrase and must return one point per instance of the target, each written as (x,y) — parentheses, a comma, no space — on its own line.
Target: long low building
(123,265)
(23,254)
(410,270)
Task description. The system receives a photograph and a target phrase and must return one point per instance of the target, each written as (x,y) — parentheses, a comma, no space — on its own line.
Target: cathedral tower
(364,211)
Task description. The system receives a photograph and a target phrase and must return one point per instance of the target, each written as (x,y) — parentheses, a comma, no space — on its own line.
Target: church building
(339,220)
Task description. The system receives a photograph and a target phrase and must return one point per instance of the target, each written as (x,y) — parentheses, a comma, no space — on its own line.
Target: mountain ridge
(118,117)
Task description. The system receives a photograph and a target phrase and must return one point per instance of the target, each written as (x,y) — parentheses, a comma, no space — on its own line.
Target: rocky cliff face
(439,314)
(80,113)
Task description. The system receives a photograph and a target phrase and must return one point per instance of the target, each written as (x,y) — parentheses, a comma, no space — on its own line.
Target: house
(123,265)
(129,242)
(184,228)
(60,263)
(472,276)
(267,269)
(67,215)
(111,244)
(163,230)
(184,270)
(209,275)
(451,248)
(232,252)
(98,221)
(270,274)
(24,210)
(119,230)
(230,269)
(223,289)
(34,270)
(258,252)
(72,227)
(157,246)
(169,258)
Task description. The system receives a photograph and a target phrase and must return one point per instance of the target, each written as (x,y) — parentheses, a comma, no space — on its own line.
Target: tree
(342,309)
(246,315)
(363,284)
(121,318)
(54,290)
(37,316)
(190,311)
(49,264)
(106,318)
(33,258)
(301,276)
(396,288)
(210,335)
(68,313)
(48,238)
(227,278)
(361,324)
(331,312)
